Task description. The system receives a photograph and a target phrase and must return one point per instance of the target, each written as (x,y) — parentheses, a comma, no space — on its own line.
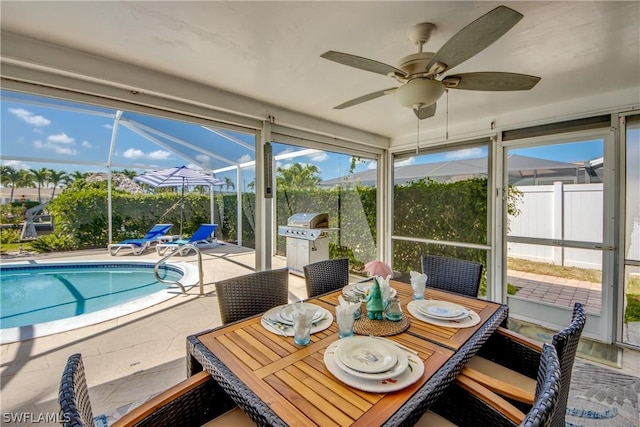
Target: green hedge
(425,209)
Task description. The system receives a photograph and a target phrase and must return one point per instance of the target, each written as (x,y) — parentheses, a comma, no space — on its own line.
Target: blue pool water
(32,294)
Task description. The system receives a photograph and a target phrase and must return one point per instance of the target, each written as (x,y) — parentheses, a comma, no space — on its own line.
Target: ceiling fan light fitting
(419,91)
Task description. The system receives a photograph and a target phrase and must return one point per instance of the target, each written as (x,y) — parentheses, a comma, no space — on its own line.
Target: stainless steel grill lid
(309,220)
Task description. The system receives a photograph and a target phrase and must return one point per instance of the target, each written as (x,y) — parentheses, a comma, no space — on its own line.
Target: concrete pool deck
(128,358)
(137,355)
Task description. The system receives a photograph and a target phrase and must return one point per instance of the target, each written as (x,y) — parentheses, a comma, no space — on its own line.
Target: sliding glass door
(560,230)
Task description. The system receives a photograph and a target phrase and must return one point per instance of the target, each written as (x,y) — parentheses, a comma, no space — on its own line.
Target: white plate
(367,355)
(320,325)
(286,312)
(397,369)
(471,320)
(442,309)
(410,375)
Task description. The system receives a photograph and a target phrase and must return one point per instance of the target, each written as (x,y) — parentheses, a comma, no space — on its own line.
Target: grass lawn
(15,247)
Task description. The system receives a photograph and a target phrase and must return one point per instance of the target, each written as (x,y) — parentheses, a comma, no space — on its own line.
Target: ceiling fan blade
(362,63)
(365,98)
(492,81)
(425,112)
(475,37)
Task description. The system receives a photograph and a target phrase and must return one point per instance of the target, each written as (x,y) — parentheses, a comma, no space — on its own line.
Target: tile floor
(137,355)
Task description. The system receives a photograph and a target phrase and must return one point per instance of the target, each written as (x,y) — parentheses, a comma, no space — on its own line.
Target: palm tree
(56,178)
(76,175)
(9,177)
(129,174)
(228,183)
(26,179)
(298,177)
(41,177)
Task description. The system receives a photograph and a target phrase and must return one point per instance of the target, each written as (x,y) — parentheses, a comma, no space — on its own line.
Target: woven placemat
(380,328)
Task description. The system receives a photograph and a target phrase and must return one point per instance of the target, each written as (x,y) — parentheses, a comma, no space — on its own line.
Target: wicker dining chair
(452,274)
(326,276)
(507,362)
(467,403)
(251,294)
(198,400)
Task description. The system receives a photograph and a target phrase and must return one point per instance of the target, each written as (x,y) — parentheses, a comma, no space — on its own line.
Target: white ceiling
(587,53)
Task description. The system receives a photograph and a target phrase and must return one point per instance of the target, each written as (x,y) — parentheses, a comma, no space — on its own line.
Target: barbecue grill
(307,241)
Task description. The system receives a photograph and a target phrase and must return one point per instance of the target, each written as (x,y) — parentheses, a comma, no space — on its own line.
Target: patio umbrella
(181,176)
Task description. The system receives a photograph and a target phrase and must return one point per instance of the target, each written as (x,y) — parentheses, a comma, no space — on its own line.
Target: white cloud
(203,158)
(405,162)
(245,158)
(29,117)
(61,138)
(16,164)
(159,155)
(319,157)
(87,144)
(38,131)
(54,147)
(108,126)
(133,153)
(465,154)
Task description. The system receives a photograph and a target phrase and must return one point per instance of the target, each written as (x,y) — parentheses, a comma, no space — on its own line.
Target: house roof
(454,170)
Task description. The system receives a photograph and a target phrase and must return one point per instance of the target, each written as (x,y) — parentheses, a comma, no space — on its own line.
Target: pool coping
(20,333)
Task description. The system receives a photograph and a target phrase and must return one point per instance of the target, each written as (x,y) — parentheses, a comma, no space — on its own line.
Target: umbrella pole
(181,207)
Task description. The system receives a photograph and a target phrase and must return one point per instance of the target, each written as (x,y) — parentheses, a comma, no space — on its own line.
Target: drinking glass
(302,327)
(355,299)
(345,321)
(394,311)
(418,289)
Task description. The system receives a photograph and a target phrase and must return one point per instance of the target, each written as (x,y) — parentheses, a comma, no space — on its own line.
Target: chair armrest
(501,380)
(193,401)
(490,398)
(507,333)
(468,404)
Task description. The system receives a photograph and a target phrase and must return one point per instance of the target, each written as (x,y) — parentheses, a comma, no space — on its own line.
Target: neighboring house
(25,194)
(522,171)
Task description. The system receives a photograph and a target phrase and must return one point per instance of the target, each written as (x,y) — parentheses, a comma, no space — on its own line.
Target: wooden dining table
(278,383)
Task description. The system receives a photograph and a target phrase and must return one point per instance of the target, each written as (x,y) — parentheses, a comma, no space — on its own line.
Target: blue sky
(38,135)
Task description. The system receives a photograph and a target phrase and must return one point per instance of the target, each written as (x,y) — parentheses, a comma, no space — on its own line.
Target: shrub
(9,236)
(53,243)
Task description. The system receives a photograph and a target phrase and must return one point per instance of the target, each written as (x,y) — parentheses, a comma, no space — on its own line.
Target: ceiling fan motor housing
(420,91)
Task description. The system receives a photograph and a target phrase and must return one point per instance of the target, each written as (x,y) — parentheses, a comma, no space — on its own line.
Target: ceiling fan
(418,73)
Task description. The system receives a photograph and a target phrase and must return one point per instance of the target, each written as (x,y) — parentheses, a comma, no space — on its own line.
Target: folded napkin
(418,282)
(346,308)
(304,311)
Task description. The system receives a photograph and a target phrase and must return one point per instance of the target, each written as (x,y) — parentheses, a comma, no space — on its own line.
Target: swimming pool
(42,298)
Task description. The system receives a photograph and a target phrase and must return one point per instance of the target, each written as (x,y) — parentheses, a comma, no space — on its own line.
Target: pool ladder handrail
(188,247)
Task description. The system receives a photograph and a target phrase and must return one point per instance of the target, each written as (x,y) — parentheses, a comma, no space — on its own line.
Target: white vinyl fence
(563,212)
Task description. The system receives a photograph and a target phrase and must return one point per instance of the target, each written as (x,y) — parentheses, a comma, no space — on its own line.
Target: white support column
(558,221)
(239,191)
(498,189)
(114,134)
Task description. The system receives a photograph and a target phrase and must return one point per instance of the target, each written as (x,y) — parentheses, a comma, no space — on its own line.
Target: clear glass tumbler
(302,328)
(345,321)
(393,311)
(356,300)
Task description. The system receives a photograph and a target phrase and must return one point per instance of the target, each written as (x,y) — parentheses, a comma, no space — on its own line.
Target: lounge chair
(202,238)
(138,246)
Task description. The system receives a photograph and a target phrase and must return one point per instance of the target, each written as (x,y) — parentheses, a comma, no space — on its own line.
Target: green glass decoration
(375,307)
